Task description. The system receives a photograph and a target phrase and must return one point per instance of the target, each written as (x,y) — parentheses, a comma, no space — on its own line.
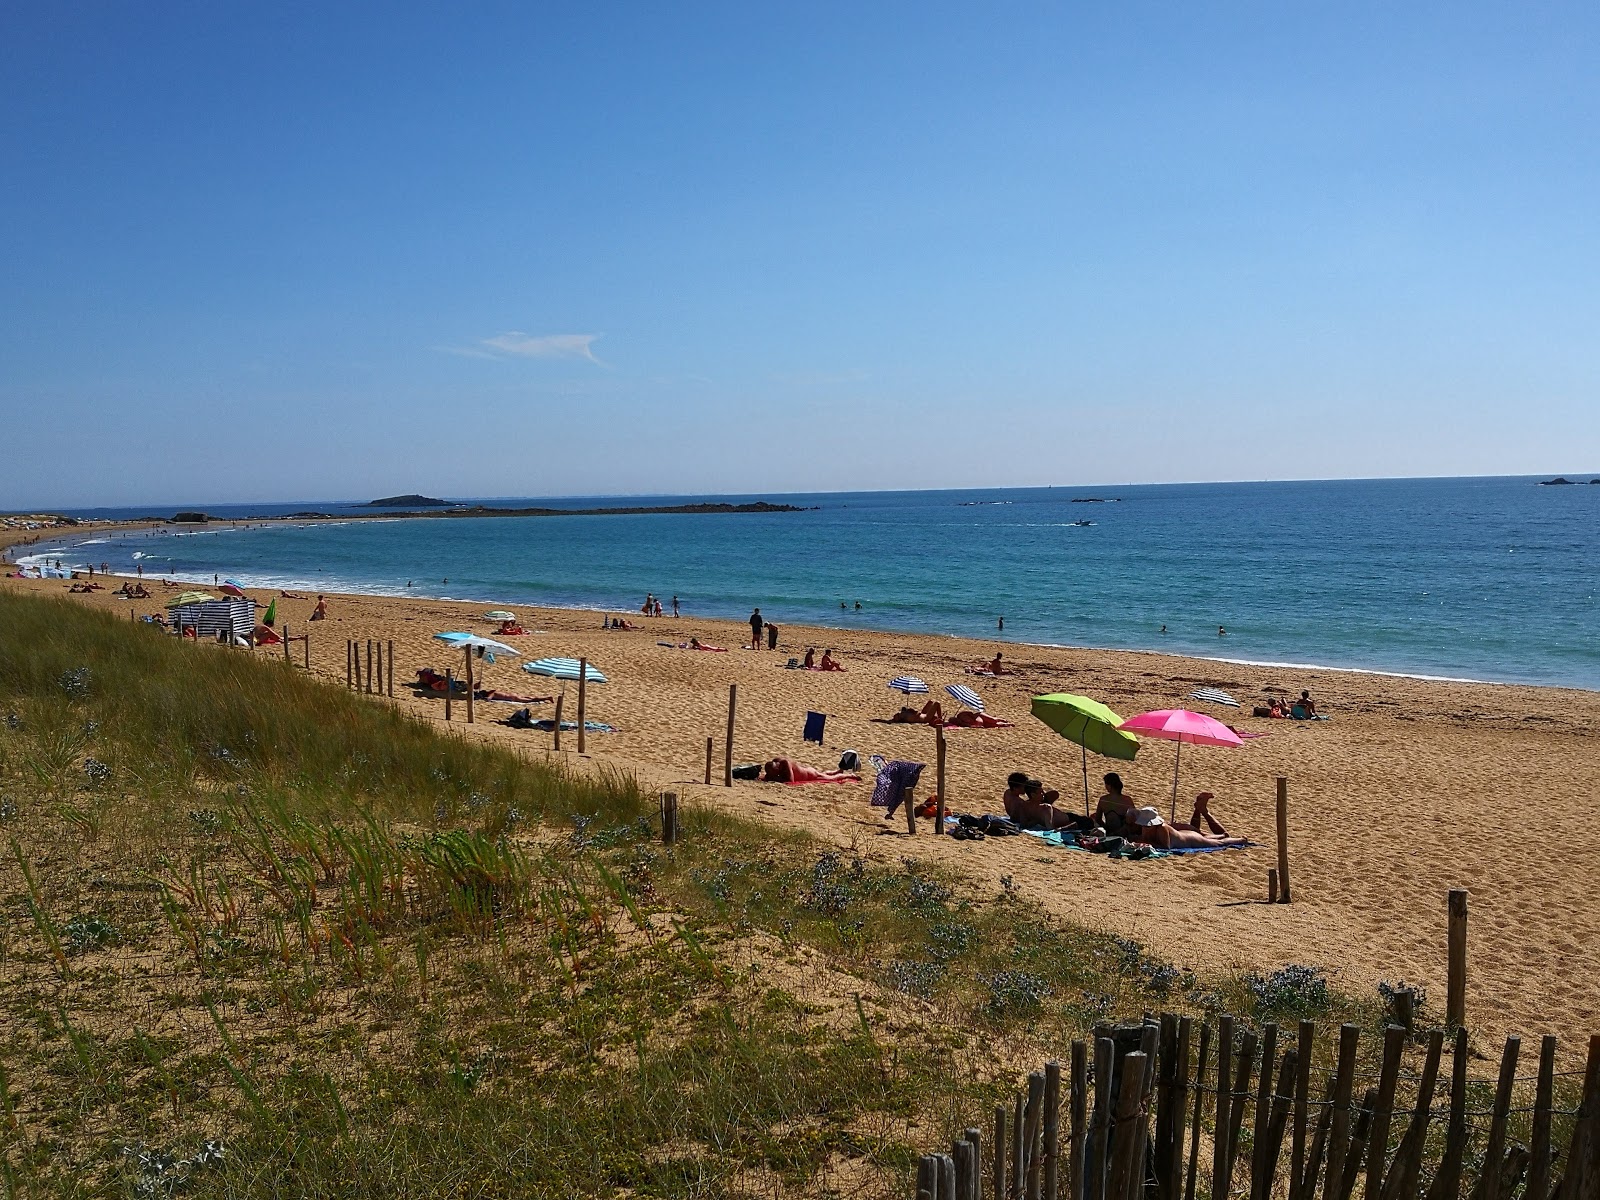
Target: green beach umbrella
(1089,723)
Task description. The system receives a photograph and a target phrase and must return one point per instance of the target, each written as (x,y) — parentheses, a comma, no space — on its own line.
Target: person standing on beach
(755,629)
(674,606)
(772,636)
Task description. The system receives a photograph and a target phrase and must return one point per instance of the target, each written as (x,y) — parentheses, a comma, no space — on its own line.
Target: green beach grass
(262,936)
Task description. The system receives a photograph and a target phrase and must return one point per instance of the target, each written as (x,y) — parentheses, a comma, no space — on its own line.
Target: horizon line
(67,510)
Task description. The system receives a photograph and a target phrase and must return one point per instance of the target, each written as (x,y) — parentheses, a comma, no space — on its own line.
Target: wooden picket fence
(1272,1135)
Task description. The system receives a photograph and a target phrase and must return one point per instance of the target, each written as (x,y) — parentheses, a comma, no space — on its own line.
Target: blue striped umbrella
(966,695)
(562,668)
(909,684)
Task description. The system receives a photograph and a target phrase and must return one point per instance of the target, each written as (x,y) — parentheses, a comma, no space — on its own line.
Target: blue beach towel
(814,725)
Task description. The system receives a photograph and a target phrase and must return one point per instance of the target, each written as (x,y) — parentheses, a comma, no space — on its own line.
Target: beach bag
(747,771)
(849,761)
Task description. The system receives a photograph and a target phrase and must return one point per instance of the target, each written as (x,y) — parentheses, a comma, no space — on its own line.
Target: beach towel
(547,724)
(815,722)
(895,779)
(1069,841)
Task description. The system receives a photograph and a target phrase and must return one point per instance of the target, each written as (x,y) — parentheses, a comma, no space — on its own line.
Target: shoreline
(1390,800)
(342,588)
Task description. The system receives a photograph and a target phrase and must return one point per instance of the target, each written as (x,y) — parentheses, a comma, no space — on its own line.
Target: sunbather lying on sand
(787,770)
(510,697)
(976,720)
(992,667)
(696,644)
(1145,825)
(931,713)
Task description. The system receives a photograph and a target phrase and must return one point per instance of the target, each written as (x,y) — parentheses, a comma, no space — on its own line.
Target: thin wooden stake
(1339,1134)
(1495,1150)
(998,1176)
(708,761)
(1052,1129)
(727,746)
(1359,1134)
(1263,1114)
(1166,1069)
(1034,1121)
(449,691)
(1096,1164)
(1180,1109)
(1447,1180)
(561,699)
(1302,1103)
(471,686)
(1283,840)
(1394,1044)
(369,667)
(1236,1107)
(286,640)
(1125,1148)
(1219,1139)
(1269,1136)
(389,659)
(1079,1124)
(1319,1144)
(1401,1181)
(1539,1142)
(583,708)
(1018,1178)
(669,818)
(938,752)
(1199,1107)
(1455,1009)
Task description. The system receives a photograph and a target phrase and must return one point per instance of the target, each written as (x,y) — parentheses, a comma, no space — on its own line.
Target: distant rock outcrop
(1558,481)
(190,518)
(408,501)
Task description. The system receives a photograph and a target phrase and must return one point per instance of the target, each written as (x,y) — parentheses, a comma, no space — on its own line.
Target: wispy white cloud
(516,344)
(547,345)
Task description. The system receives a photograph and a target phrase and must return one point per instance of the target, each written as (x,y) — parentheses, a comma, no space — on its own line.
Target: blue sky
(280,251)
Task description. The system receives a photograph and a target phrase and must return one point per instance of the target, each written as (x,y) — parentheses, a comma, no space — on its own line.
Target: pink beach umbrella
(1180,725)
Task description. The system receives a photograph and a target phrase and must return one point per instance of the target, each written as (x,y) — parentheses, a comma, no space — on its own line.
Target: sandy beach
(1412,788)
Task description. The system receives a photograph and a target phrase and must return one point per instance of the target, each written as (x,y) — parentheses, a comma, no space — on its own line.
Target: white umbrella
(476,642)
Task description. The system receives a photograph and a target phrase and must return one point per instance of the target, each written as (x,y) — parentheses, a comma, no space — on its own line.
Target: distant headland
(410,501)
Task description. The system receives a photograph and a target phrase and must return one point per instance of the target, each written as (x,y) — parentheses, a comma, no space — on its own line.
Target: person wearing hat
(1144,824)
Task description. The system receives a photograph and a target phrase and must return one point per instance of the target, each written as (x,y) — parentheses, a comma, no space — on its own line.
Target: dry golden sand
(1414,787)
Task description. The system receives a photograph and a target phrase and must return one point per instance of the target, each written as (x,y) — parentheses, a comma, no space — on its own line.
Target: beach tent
(209,617)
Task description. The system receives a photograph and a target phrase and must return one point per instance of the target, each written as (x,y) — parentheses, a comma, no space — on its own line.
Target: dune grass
(264,936)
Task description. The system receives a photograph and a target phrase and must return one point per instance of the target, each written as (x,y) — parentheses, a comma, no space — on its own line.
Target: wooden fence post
(379,686)
(1538,1185)
(1125,1171)
(1401,1181)
(1495,1150)
(1096,1166)
(669,818)
(1079,1098)
(1219,1140)
(471,686)
(938,753)
(305,639)
(1283,839)
(1394,1044)
(1199,1106)
(1052,1124)
(348,669)
(727,748)
(708,761)
(583,707)
(1344,1086)
(1455,1007)
(997,1176)
(1034,1122)
(560,700)
(449,690)
(1302,1104)
(1447,1180)
(369,667)
(389,658)
(286,640)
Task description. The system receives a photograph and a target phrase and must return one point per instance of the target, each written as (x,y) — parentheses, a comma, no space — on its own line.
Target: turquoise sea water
(1474,578)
